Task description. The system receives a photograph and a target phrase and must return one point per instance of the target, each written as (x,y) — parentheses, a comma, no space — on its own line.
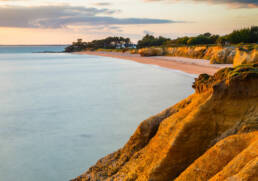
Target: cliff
(216,54)
(211,135)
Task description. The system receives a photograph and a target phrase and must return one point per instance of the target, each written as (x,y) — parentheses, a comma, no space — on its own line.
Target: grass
(251,69)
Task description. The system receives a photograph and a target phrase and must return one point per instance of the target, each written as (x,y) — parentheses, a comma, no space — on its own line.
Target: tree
(207,34)
(246,35)
(201,39)
(254,34)
(150,40)
(182,41)
(107,43)
(222,40)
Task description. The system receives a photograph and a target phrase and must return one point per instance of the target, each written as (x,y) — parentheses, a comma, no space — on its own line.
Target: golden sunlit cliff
(216,54)
(211,135)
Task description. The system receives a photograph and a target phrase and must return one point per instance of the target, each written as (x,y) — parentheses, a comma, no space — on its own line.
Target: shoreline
(187,65)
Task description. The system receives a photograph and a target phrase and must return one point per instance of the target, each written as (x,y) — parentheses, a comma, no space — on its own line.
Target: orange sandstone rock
(225,160)
(192,140)
(216,54)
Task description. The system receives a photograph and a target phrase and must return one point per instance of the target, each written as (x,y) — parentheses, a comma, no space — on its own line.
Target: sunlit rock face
(216,54)
(244,57)
(212,134)
(233,158)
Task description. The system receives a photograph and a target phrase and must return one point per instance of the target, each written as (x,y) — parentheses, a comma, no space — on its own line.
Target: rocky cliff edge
(211,135)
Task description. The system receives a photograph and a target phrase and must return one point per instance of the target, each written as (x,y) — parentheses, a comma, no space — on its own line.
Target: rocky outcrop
(245,57)
(212,134)
(216,54)
(153,51)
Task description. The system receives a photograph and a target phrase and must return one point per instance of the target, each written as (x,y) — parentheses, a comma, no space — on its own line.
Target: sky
(26,22)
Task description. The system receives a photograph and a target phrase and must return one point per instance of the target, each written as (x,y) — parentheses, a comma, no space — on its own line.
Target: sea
(61,112)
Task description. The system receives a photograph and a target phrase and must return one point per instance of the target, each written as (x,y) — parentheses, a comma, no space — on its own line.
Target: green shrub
(203,39)
(246,35)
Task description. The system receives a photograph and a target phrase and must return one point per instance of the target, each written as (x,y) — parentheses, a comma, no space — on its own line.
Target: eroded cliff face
(233,158)
(216,54)
(212,134)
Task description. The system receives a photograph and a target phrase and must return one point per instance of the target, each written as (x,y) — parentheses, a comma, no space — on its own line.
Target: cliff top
(205,82)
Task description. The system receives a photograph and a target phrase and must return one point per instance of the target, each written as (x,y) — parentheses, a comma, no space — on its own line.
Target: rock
(146,52)
(212,134)
(245,57)
(216,54)
(233,157)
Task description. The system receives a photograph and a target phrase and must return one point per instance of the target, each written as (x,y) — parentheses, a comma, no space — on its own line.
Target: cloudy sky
(63,21)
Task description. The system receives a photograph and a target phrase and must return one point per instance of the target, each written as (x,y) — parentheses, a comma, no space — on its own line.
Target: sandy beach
(188,65)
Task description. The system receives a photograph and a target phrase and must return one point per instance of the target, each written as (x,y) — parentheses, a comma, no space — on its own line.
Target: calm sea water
(60,113)
(30,49)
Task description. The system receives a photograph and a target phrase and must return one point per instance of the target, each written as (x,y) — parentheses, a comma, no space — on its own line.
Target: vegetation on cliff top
(150,40)
(246,35)
(107,43)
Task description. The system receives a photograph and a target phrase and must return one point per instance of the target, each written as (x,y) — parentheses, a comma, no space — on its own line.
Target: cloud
(63,16)
(230,3)
(148,32)
(102,4)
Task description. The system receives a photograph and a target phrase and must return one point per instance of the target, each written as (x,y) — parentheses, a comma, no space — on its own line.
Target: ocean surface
(60,113)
